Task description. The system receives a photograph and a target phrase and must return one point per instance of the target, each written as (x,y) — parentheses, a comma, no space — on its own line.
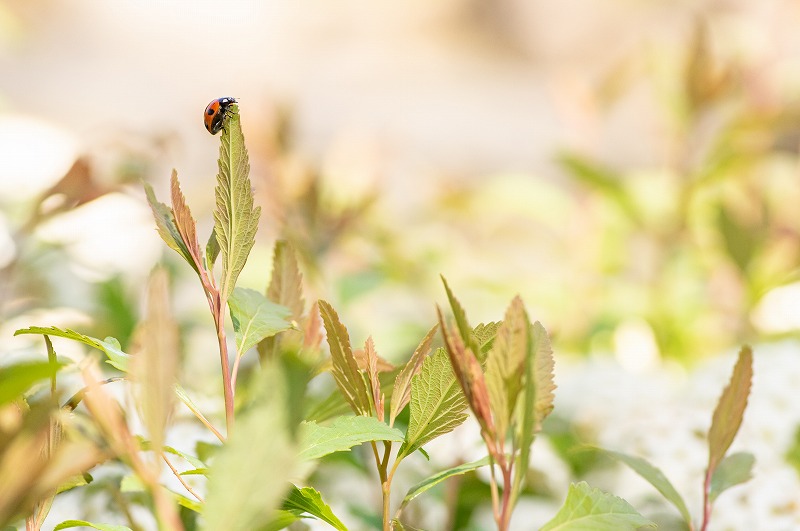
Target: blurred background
(629,168)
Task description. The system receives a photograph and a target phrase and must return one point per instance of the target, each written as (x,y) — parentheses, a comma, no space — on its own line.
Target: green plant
(278,428)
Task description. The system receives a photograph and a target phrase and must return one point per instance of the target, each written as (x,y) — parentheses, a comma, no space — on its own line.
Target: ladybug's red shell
(216,111)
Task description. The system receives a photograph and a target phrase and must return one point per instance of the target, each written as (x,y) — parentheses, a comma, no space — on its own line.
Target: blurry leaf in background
(117,309)
(251,473)
(23,434)
(656,478)
(116,357)
(733,470)
(67,524)
(155,366)
(285,288)
(17,379)
(587,508)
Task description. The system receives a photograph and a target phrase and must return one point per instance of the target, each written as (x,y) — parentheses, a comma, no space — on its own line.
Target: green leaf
(254,318)
(588,509)
(66,524)
(345,368)
(309,500)
(249,475)
(730,409)
(280,520)
(167,228)
(401,393)
(285,288)
(485,334)
(212,251)
(733,470)
(109,345)
(235,217)
(604,180)
(16,379)
(543,375)
(437,403)
(437,478)
(155,367)
(656,478)
(537,400)
(505,365)
(345,432)
(79,480)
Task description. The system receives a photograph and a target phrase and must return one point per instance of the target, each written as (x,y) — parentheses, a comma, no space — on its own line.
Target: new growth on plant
(260,475)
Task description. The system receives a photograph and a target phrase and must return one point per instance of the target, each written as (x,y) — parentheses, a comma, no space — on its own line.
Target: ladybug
(216,112)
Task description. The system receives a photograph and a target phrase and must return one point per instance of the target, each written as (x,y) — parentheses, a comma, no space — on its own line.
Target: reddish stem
(706,500)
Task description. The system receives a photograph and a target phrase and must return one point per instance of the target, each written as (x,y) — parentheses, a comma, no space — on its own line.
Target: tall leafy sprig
(724,470)
(235,224)
(510,399)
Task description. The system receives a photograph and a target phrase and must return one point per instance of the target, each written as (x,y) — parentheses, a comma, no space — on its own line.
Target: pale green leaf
(235,217)
(344,433)
(254,318)
(109,345)
(66,524)
(212,251)
(401,393)
(280,520)
(588,509)
(656,478)
(537,398)
(309,501)
(734,469)
(344,366)
(543,374)
(78,480)
(437,403)
(437,478)
(250,474)
(485,334)
(505,365)
(730,409)
(285,288)
(155,367)
(16,379)
(167,228)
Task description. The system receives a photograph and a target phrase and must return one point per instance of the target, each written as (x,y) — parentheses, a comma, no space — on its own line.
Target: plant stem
(505,511)
(180,478)
(386,481)
(227,387)
(706,500)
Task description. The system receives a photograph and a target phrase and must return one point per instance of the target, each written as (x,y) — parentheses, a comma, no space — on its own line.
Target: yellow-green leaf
(730,409)
(588,509)
(344,366)
(254,318)
(437,403)
(235,217)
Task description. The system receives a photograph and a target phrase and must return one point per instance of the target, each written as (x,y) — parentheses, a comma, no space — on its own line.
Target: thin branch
(180,478)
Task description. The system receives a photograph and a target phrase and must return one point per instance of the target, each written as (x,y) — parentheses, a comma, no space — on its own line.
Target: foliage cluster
(279,429)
